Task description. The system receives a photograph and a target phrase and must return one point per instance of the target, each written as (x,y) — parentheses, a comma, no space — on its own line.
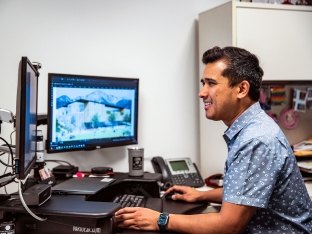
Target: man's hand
(137,218)
(184,193)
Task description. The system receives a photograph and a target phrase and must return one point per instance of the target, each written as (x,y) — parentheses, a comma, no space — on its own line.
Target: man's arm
(231,219)
(189,194)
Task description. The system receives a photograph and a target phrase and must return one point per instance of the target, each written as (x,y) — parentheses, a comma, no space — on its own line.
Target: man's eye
(208,82)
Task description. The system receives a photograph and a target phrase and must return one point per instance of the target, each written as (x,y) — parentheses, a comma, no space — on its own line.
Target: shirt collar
(250,113)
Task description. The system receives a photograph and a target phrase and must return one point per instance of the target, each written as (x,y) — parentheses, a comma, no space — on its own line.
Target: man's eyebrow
(206,79)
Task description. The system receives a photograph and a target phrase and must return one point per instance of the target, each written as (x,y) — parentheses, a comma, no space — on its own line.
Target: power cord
(11,152)
(59,161)
(8,177)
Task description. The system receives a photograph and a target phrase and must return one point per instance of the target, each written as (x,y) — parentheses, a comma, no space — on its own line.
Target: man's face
(220,100)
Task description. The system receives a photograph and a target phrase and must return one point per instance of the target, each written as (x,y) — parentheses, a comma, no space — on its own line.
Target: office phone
(177,171)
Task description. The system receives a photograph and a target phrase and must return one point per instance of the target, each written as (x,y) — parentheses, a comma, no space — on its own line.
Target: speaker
(37,194)
(64,171)
(102,171)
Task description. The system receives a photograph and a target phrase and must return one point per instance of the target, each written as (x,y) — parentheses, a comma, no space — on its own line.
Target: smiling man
(263,191)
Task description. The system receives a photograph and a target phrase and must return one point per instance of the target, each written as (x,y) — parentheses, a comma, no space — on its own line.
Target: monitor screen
(26,118)
(89,112)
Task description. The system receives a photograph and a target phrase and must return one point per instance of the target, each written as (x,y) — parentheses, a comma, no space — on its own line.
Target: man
(263,191)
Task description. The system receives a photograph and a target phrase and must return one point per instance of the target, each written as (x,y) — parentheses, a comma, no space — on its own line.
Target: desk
(64,214)
(87,214)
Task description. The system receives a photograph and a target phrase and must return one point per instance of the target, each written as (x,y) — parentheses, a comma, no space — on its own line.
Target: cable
(24,203)
(10,148)
(6,179)
(11,136)
(5,164)
(5,175)
(57,161)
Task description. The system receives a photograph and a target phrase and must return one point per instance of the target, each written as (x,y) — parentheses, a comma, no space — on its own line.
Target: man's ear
(243,87)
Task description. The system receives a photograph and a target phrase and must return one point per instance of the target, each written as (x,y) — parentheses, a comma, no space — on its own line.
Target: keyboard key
(129,200)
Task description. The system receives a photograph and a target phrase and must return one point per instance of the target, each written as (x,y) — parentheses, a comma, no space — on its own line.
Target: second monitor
(88,112)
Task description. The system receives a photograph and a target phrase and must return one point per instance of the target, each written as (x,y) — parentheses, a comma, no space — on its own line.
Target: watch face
(163,221)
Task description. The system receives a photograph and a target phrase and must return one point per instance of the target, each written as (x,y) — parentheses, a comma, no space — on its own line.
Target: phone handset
(160,166)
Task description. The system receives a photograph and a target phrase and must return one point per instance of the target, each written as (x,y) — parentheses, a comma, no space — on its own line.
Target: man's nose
(202,93)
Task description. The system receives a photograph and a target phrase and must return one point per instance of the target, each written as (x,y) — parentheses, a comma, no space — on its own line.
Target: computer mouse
(168,196)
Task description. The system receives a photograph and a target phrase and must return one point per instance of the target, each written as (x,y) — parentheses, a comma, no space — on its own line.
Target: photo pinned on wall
(299,100)
(289,118)
(265,102)
(269,1)
(278,95)
(265,98)
(285,2)
(303,2)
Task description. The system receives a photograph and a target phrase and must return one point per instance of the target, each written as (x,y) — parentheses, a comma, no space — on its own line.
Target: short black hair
(241,65)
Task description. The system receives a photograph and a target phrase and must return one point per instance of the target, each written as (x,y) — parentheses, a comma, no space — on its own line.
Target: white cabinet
(280,35)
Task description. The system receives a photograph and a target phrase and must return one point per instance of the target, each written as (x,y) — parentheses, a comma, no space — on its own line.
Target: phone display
(179,165)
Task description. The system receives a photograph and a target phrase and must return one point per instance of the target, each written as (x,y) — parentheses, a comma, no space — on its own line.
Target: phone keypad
(189,179)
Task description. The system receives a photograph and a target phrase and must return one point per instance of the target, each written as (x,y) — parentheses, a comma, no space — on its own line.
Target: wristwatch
(162,221)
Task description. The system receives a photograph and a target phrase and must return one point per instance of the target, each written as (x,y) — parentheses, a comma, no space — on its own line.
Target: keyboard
(128,200)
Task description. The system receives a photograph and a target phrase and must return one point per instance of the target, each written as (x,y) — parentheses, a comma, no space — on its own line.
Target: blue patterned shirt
(261,171)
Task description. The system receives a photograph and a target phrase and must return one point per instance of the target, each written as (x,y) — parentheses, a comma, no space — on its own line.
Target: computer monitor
(26,118)
(89,112)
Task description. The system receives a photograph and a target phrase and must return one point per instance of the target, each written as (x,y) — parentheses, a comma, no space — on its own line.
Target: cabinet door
(282,38)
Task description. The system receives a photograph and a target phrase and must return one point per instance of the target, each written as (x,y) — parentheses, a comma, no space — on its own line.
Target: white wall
(153,40)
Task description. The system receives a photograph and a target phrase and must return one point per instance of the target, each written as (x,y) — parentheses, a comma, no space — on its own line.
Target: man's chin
(211,117)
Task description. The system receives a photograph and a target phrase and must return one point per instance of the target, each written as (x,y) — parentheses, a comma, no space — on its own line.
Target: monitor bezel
(132,141)
(22,170)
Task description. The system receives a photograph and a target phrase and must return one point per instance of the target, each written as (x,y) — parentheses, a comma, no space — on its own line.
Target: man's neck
(240,109)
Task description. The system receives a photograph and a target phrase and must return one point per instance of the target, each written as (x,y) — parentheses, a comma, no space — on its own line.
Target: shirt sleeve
(252,174)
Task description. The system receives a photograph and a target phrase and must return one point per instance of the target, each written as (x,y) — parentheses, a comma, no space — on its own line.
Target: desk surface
(68,205)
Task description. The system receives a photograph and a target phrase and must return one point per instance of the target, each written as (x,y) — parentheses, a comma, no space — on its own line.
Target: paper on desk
(106,179)
(303,146)
(303,153)
(306,164)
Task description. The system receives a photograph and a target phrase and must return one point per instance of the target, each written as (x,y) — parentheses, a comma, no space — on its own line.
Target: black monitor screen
(26,118)
(88,112)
